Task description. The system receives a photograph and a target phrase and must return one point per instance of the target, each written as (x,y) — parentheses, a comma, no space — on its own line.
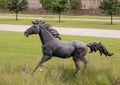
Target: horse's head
(34,29)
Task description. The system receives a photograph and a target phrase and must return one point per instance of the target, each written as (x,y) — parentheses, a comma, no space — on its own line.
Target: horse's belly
(64,52)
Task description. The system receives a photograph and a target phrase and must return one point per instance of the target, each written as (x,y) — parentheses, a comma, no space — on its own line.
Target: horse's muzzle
(26,34)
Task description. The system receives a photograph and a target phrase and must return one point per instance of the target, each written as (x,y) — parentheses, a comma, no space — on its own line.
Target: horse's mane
(48,27)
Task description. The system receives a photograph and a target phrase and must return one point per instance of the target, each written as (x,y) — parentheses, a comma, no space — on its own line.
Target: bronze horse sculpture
(55,47)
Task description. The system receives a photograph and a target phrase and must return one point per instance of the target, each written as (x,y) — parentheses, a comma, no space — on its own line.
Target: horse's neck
(45,36)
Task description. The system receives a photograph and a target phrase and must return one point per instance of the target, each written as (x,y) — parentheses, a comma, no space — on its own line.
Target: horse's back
(79,44)
(67,49)
(75,44)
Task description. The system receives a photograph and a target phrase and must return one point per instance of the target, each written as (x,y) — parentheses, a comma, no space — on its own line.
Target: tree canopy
(56,6)
(46,4)
(75,5)
(60,6)
(4,3)
(17,6)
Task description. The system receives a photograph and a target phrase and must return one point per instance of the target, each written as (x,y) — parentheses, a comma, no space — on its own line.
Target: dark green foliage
(76,5)
(46,4)
(17,6)
(110,7)
(60,6)
(57,6)
(4,3)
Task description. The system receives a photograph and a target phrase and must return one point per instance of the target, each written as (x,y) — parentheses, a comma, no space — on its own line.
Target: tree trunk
(47,11)
(75,12)
(16,15)
(111,19)
(59,16)
(93,12)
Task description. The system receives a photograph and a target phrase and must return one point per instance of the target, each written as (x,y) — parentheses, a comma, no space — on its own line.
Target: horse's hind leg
(76,61)
(85,63)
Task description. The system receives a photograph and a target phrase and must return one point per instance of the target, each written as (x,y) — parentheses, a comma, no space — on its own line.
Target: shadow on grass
(109,24)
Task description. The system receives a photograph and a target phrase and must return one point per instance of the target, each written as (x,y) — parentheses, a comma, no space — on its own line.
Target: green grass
(83,22)
(65,23)
(62,16)
(19,55)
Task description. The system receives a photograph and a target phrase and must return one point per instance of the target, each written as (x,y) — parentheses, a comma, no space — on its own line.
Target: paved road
(68,31)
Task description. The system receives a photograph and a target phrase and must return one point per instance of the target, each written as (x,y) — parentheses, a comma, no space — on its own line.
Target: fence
(69,12)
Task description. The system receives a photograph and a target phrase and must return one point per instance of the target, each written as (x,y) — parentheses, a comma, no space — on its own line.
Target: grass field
(19,55)
(66,23)
(62,16)
(83,22)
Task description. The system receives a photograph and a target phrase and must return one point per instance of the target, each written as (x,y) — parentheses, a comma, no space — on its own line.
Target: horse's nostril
(26,34)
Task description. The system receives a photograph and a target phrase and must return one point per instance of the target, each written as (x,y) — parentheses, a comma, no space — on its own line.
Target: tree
(110,7)
(4,4)
(46,4)
(59,6)
(76,5)
(17,6)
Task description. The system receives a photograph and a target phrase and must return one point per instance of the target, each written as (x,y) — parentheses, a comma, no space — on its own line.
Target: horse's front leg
(42,60)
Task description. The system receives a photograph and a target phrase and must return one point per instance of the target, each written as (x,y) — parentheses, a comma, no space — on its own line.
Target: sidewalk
(68,31)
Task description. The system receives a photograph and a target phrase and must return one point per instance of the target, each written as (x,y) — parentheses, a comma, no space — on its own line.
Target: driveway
(68,31)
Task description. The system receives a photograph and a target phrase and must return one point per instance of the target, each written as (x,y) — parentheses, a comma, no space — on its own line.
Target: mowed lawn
(19,55)
(96,22)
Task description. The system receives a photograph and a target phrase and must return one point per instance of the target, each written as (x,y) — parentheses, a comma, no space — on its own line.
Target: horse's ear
(33,22)
(99,42)
(43,22)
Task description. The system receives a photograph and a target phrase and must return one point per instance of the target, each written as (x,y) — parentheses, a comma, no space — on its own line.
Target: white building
(34,4)
(90,4)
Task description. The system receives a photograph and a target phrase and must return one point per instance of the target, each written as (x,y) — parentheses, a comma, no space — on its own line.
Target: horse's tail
(95,46)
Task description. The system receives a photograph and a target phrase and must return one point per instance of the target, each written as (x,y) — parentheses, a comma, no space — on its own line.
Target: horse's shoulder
(46,50)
